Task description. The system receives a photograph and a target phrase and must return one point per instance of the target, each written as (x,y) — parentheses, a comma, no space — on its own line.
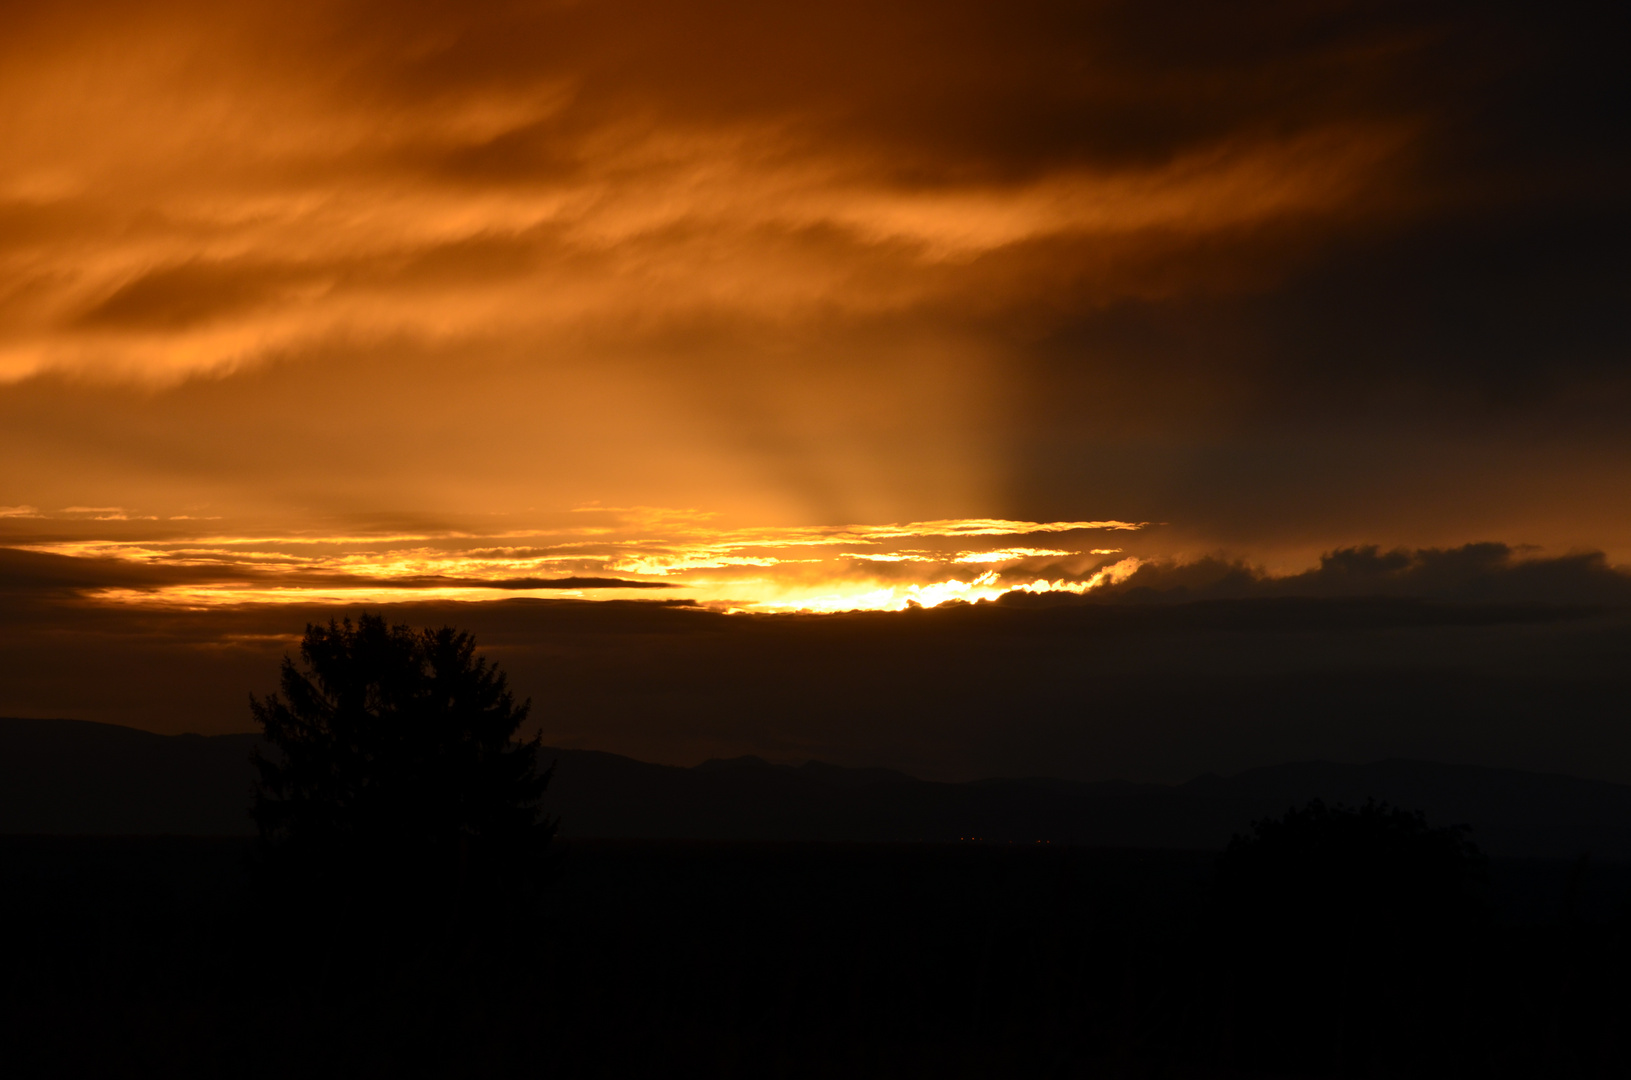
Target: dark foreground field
(671,958)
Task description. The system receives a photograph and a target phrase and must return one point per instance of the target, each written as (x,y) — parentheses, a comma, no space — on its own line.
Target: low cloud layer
(1486,573)
(1479,654)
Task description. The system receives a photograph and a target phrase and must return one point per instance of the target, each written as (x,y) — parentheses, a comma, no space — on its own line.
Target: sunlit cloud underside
(624,554)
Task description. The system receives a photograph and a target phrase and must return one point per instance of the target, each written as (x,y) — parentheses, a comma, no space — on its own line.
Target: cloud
(32,573)
(243,184)
(572,583)
(79,580)
(1480,573)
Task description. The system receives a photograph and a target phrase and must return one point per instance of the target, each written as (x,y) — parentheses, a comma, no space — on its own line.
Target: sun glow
(987,586)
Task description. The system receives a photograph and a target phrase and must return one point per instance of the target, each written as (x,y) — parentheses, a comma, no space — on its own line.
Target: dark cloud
(46,575)
(1476,573)
(1487,573)
(189,294)
(31,572)
(562,583)
(943,91)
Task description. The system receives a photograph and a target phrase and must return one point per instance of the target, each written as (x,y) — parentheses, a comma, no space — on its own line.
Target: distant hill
(67,776)
(73,776)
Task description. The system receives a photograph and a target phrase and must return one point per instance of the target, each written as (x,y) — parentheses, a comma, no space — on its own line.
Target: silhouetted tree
(394,768)
(1345,933)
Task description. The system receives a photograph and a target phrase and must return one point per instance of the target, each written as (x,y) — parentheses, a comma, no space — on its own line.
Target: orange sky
(433,278)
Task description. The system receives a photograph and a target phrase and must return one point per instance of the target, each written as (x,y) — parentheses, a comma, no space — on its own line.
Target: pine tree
(394,769)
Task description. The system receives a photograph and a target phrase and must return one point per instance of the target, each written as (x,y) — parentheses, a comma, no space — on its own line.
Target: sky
(765,310)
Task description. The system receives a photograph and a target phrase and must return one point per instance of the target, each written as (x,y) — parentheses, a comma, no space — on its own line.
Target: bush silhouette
(393,777)
(1345,935)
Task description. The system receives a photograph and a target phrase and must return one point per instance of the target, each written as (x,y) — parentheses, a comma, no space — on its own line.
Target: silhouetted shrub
(394,787)
(1345,935)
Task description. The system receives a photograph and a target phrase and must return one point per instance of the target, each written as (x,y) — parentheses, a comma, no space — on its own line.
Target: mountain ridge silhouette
(81,777)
